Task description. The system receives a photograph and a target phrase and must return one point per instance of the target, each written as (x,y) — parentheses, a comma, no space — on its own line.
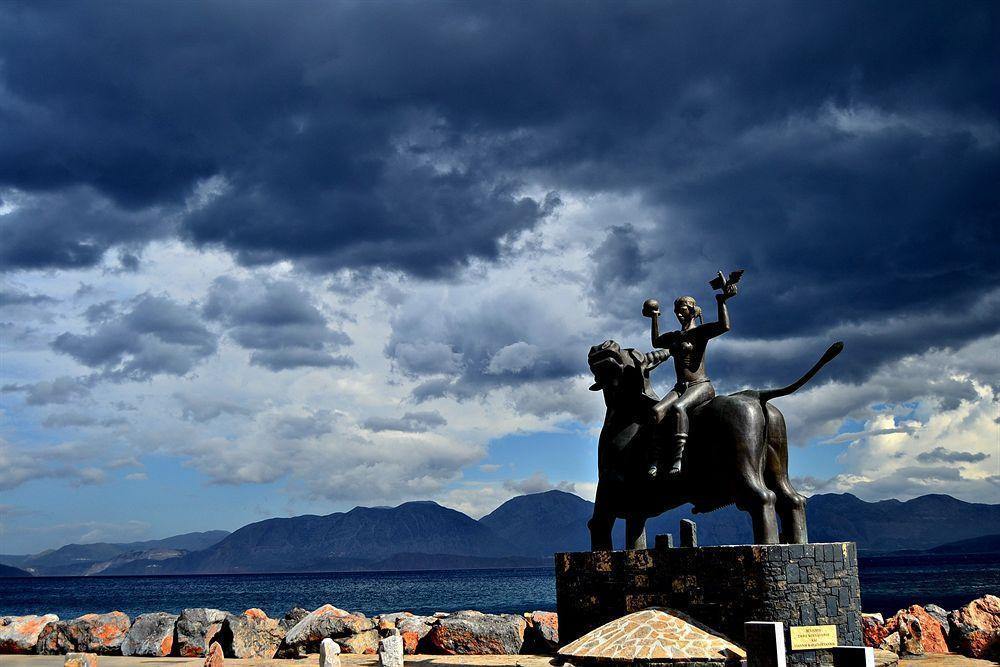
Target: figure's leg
(659,411)
(692,397)
(791,506)
(635,532)
(662,409)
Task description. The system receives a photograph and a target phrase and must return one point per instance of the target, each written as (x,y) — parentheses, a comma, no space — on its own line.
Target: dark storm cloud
(325,157)
(410,422)
(16,297)
(128,262)
(59,391)
(945,455)
(67,229)
(204,409)
(153,335)
(100,312)
(468,346)
(277,321)
(291,427)
(76,419)
(844,154)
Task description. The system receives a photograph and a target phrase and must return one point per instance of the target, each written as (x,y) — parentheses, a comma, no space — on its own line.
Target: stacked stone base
(722,587)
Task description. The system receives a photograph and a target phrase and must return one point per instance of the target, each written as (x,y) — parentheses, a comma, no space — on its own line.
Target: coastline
(888,583)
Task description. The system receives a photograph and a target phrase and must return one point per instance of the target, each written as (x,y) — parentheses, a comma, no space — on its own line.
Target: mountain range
(525,531)
(109,558)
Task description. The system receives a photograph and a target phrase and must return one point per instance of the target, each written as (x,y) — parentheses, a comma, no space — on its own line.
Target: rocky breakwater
(252,634)
(91,633)
(19,634)
(972,630)
(353,632)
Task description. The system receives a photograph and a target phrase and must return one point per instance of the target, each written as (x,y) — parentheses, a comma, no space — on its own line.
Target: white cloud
(914,439)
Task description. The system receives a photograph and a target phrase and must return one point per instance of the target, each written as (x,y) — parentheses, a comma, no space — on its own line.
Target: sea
(888,583)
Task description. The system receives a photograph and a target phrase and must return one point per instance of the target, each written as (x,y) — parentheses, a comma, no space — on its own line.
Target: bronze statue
(737,445)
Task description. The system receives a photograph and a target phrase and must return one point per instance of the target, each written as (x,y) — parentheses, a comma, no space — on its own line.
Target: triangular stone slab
(652,635)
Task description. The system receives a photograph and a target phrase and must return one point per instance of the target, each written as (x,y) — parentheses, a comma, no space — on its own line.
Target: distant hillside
(988,544)
(80,559)
(892,525)
(353,540)
(541,524)
(8,571)
(524,531)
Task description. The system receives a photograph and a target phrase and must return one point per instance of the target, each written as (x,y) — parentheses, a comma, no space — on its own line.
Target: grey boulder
(476,633)
(390,651)
(196,628)
(353,632)
(251,635)
(151,635)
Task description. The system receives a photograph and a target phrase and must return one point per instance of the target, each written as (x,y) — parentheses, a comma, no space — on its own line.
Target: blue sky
(261,263)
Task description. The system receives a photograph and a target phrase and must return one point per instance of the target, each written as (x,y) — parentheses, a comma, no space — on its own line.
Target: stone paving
(653,635)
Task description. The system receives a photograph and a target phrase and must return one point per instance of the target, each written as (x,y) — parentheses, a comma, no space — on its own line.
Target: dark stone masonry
(723,587)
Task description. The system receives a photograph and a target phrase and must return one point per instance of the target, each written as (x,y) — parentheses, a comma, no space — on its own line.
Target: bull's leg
(635,532)
(600,526)
(790,505)
(792,512)
(759,501)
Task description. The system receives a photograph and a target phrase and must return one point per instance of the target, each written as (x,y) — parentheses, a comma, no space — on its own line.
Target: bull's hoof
(652,472)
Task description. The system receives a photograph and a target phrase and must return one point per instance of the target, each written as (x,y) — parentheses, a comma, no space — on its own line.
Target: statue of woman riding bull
(725,449)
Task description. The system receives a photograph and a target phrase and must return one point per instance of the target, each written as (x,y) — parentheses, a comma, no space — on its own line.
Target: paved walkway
(929,660)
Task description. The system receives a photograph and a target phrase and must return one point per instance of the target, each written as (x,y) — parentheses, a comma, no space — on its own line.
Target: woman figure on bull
(687,347)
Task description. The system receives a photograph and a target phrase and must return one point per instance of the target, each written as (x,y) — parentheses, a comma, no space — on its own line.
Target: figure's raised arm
(651,309)
(713,329)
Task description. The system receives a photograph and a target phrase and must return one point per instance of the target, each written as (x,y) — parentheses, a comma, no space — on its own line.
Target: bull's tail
(831,352)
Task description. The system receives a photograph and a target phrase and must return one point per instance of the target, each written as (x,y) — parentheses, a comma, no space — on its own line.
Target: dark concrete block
(832,605)
(853,656)
(689,533)
(664,541)
(807,614)
(764,642)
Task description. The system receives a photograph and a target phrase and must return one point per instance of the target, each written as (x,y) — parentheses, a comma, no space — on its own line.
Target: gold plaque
(807,637)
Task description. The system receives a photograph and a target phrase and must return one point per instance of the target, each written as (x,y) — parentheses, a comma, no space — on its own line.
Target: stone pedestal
(722,587)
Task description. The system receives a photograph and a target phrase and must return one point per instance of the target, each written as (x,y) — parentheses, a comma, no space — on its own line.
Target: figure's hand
(651,308)
(728,292)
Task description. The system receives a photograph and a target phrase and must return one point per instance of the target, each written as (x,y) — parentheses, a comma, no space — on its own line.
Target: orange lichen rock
(931,633)
(80,660)
(977,626)
(253,635)
(215,657)
(19,634)
(475,633)
(90,633)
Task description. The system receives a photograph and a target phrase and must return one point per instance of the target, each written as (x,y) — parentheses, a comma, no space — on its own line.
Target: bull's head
(607,363)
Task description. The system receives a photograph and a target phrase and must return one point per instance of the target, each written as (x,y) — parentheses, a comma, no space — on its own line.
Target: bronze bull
(738,453)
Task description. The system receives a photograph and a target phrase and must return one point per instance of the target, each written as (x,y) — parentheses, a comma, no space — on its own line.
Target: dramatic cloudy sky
(263,259)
